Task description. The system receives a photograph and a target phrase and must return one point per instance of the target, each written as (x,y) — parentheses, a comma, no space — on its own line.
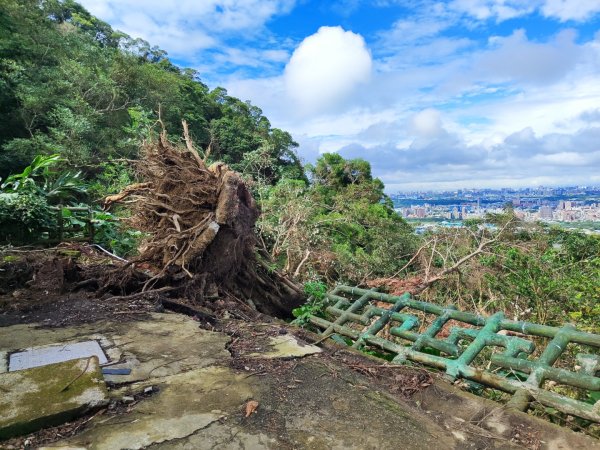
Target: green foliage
(24,216)
(315,289)
(546,275)
(113,176)
(80,98)
(334,172)
(65,187)
(561,274)
(342,218)
(26,179)
(25,199)
(71,85)
(316,304)
(39,178)
(111,233)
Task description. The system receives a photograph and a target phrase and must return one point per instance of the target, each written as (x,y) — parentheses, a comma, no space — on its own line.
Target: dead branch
(297,271)
(445,272)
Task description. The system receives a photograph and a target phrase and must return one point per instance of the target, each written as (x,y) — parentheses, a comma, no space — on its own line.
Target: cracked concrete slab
(186,403)
(45,396)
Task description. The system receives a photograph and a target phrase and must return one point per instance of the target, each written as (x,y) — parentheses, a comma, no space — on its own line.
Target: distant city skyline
(595,187)
(435,94)
(571,205)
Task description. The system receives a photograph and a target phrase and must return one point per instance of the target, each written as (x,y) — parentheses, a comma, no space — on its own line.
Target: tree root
(200,222)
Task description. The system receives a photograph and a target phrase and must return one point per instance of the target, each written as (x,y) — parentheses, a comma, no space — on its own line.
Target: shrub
(24,217)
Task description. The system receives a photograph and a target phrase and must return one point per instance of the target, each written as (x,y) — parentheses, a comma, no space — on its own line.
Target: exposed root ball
(201,225)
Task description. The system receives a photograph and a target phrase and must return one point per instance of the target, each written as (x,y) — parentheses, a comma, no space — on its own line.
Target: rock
(286,346)
(50,395)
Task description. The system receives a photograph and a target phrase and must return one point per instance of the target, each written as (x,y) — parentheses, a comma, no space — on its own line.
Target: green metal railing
(491,351)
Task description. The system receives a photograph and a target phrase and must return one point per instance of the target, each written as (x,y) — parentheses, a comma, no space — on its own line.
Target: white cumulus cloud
(571,9)
(326,68)
(188,26)
(427,123)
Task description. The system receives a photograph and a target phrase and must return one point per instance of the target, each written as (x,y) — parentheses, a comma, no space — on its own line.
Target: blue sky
(436,95)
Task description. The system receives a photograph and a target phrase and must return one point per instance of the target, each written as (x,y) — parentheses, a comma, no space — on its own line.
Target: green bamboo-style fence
(512,356)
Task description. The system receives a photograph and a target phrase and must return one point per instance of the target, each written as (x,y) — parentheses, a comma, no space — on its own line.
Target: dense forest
(77,99)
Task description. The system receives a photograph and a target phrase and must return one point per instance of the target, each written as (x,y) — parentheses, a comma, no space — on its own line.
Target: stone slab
(185,404)
(52,354)
(286,346)
(50,395)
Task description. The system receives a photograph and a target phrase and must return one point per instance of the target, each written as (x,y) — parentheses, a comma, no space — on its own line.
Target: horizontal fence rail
(491,351)
(83,231)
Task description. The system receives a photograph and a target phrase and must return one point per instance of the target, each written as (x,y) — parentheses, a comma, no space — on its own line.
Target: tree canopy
(70,84)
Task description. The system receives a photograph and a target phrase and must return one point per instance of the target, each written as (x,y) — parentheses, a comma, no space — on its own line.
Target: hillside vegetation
(78,99)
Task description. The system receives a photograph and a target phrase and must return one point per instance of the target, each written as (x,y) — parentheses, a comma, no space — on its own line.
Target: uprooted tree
(201,238)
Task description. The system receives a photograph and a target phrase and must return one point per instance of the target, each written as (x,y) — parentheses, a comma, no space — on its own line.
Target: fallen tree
(200,226)
(420,282)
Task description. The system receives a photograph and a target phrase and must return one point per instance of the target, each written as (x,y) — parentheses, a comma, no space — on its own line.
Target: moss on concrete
(186,403)
(49,395)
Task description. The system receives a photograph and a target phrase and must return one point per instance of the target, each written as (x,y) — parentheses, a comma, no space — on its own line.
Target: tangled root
(200,222)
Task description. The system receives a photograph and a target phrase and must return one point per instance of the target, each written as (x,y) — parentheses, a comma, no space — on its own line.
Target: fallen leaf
(251,407)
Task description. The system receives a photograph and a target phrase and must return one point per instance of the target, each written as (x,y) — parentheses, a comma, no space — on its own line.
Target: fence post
(60,223)
(91,224)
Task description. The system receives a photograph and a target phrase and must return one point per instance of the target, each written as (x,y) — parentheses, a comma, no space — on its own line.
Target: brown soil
(47,287)
(249,338)
(54,290)
(397,286)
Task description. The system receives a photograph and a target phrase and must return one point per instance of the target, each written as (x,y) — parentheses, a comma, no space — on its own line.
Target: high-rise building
(545,212)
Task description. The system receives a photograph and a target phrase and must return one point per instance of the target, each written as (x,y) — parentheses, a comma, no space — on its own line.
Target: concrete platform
(306,399)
